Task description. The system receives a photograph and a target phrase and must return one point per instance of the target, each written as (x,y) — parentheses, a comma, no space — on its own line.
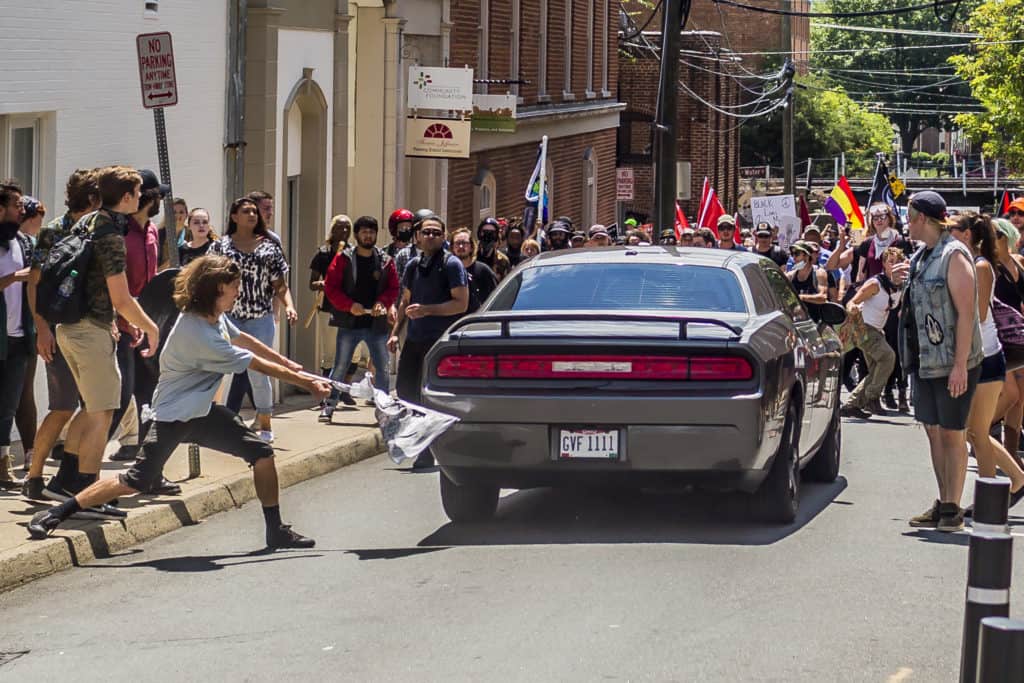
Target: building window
(514,44)
(542,61)
(604,50)
(635,139)
(590,50)
(484,192)
(567,93)
(485,41)
(589,209)
(19,150)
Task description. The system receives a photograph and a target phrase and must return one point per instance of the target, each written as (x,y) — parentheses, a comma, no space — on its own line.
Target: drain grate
(8,657)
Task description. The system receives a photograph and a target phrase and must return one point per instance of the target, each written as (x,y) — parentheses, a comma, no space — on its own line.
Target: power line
(897,31)
(935,4)
(891,48)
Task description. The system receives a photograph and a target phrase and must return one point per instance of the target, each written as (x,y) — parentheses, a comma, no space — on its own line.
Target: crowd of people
(932,313)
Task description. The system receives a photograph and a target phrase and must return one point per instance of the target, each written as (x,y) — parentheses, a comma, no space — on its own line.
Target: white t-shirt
(876,309)
(13,260)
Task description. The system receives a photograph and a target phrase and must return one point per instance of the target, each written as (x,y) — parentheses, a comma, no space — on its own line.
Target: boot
(904,406)
(888,400)
(7,478)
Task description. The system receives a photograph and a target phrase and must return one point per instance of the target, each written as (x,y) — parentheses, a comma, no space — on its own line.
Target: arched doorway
(302,212)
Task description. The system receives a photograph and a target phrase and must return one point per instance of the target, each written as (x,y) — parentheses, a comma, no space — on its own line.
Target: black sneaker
(125,454)
(347,399)
(951,518)
(284,537)
(56,490)
(42,523)
(854,411)
(875,407)
(105,511)
(33,489)
(326,414)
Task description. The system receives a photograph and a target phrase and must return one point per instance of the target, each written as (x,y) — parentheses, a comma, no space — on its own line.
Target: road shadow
(940,537)
(569,516)
(210,563)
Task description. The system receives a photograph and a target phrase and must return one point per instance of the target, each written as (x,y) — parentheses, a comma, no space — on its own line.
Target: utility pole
(665,128)
(787,111)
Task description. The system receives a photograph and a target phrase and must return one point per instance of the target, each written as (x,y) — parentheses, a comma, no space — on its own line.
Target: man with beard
(558,236)
(482,280)
(514,244)
(16,335)
(488,252)
(435,293)
(361,284)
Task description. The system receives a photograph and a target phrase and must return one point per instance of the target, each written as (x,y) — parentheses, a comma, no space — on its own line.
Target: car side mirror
(833,314)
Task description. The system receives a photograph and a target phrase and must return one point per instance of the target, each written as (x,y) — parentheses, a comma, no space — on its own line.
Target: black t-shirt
(482,281)
(808,286)
(366,289)
(430,281)
(777,254)
(321,262)
(187,254)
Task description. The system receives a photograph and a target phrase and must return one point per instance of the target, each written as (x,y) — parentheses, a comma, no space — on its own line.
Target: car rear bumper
(722,442)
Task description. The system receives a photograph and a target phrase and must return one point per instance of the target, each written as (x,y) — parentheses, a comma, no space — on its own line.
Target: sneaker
(284,537)
(854,411)
(55,490)
(165,487)
(928,519)
(105,511)
(347,399)
(42,524)
(125,454)
(951,518)
(875,407)
(266,435)
(326,414)
(33,488)
(889,401)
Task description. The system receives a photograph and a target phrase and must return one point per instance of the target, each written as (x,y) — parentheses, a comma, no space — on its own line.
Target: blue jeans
(348,340)
(263,329)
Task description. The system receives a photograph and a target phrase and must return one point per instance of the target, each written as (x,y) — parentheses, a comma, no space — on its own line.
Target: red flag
(681,222)
(805,214)
(1004,206)
(710,208)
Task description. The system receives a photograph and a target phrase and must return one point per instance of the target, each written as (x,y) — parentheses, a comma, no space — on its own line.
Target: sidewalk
(304,449)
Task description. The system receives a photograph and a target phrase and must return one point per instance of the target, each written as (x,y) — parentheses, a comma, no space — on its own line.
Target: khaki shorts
(90,352)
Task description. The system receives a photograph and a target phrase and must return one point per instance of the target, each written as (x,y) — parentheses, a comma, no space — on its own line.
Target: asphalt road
(562,586)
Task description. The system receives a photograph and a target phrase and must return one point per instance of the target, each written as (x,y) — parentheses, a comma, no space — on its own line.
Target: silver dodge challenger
(641,367)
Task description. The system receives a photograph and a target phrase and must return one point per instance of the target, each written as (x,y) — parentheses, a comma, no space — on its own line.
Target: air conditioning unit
(682,180)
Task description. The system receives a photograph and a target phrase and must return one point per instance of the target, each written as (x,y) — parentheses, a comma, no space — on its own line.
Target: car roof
(721,258)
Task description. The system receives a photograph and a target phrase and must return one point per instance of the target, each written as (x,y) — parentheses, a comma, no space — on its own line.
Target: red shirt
(335,292)
(142,252)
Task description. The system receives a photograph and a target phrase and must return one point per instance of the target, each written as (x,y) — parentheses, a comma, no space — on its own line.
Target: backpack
(61,296)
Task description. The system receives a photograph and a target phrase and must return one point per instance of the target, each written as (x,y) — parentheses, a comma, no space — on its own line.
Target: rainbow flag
(843,206)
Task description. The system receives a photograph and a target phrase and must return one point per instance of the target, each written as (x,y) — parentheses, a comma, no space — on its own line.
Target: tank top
(1006,290)
(989,333)
(809,286)
(876,309)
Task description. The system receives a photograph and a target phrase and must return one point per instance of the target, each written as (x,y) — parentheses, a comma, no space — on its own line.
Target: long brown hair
(197,286)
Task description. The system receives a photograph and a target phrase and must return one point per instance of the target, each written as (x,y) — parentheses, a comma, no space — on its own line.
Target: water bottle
(66,289)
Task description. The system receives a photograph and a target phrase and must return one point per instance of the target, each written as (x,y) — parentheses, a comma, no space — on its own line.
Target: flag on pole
(1004,205)
(805,214)
(681,222)
(533,194)
(843,206)
(710,208)
(881,191)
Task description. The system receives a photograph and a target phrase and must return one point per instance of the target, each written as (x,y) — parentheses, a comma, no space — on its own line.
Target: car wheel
(824,466)
(468,502)
(778,497)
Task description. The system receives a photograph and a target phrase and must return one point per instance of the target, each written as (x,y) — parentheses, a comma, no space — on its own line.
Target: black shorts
(221,430)
(933,406)
(993,368)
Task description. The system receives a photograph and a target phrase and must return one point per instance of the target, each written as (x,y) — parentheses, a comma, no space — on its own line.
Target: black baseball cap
(929,203)
(151,182)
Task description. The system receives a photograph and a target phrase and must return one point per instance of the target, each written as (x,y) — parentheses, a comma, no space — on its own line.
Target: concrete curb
(74,547)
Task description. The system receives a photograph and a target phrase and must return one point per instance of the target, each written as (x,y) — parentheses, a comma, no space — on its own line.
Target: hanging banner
(494,113)
(437,138)
(431,87)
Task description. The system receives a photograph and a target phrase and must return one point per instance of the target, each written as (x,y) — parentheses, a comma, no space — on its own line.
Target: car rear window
(622,286)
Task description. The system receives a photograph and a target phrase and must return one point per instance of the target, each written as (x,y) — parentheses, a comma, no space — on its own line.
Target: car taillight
(466,367)
(721,369)
(593,367)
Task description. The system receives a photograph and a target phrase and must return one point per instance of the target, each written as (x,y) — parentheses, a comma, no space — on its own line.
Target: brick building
(567,51)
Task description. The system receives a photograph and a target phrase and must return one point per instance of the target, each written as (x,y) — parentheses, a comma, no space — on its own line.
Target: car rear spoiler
(504,318)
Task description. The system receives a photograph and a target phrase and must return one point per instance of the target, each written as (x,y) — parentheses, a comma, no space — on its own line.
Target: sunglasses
(431,233)
(880,215)
(1015,212)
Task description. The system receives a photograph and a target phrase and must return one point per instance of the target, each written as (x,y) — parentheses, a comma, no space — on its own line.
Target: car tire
(824,466)
(778,498)
(468,502)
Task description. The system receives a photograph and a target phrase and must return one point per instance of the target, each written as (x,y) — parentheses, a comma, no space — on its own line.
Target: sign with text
(624,184)
(156,70)
(772,209)
(494,113)
(431,87)
(438,138)
(789,230)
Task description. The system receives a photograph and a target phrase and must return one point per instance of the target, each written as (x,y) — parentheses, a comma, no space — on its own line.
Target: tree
(910,85)
(996,75)
(826,123)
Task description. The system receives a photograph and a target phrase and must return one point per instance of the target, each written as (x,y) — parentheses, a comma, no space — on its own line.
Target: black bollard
(991,505)
(193,461)
(989,563)
(1001,650)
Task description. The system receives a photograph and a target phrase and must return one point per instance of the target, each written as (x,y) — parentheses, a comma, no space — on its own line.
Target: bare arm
(961,283)
(454,306)
(985,280)
(46,346)
(840,258)
(17,276)
(129,309)
(867,291)
(319,388)
(283,294)
(822,296)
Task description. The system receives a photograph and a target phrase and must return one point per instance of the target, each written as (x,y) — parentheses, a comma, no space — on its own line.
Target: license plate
(588,444)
